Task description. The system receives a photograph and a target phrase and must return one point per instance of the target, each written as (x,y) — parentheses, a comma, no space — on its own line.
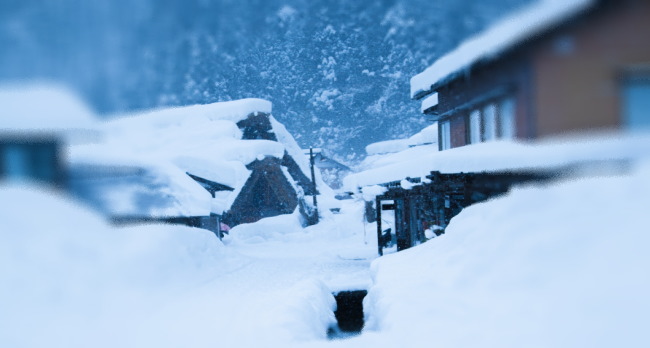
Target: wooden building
(212,166)
(37,124)
(550,69)
(33,157)
(432,203)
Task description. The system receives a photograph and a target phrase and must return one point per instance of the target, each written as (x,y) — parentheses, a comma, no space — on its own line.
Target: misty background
(336,71)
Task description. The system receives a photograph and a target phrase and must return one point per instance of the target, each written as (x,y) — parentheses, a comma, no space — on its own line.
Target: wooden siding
(487,83)
(458,128)
(578,69)
(266,193)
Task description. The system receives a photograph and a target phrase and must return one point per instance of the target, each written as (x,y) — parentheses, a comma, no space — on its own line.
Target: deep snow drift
(558,266)
(561,265)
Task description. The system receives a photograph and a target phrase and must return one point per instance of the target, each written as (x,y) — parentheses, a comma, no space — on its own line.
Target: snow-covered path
(278,294)
(70,280)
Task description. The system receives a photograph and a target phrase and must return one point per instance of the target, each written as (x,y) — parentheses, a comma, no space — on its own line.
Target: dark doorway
(349,314)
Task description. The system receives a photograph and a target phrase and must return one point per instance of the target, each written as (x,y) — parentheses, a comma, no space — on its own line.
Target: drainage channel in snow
(349,314)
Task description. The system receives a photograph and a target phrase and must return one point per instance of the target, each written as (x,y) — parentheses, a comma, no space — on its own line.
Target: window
(493,121)
(28,161)
(445,135)
(489,122)
(507,118)
(636,103)
(474,127)
(16,162)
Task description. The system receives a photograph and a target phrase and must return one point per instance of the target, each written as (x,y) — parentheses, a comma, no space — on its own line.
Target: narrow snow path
(278,292)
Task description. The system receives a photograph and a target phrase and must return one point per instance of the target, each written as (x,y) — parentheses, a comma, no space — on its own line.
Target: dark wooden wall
(485,83)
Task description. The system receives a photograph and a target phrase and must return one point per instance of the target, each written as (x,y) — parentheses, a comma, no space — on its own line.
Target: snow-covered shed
(37,122)
(553,67)
(231,159)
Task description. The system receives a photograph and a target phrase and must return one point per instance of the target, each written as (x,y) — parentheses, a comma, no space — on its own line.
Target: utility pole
(313,182)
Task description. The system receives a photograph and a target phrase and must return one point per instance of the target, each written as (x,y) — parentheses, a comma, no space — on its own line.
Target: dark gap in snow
(349,314)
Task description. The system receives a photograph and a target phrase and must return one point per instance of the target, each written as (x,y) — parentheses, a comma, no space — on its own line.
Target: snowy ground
(561,265)
(69,280)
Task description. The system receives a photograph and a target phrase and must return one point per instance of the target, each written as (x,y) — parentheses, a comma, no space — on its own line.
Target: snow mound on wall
(564,265)
(506,33)
(42,107)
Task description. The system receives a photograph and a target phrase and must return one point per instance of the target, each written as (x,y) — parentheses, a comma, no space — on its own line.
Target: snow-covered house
(37,123)
(231,160)
(553,67)
(331,170)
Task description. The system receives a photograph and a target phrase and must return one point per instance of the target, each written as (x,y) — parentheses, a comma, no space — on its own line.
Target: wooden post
(378,207)
(313,181)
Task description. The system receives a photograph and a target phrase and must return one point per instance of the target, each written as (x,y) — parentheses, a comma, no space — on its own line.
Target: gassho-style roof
(507,33)
(168,144)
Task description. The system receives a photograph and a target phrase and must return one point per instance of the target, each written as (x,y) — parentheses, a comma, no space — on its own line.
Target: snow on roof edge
(234,110)
(44,107)
(507,32)
(511,155)
(429,102)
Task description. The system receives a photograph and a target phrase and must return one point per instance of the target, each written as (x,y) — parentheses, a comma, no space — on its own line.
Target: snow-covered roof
(428,135)
(429,102)
(42,108)
(418,162)
(203,140)
(506,33)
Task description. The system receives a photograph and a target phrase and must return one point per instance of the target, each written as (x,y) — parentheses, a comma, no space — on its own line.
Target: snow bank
(503,155)
(505,34)
(558,266)
(272,228)
(79,282)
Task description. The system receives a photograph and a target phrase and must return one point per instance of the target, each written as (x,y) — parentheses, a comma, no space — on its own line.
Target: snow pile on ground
(69,280)
(520,26)
(558,266)
(504,155)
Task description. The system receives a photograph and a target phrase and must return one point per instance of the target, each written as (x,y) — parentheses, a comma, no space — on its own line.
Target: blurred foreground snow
(561,265)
